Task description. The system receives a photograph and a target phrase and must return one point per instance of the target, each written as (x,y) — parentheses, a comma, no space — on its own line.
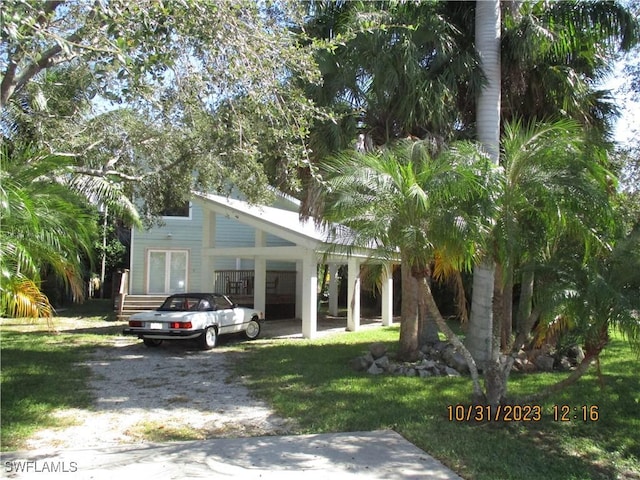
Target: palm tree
(47,225)
(586,300)
(405,199)
(552,56)
(556,191)
(398,69)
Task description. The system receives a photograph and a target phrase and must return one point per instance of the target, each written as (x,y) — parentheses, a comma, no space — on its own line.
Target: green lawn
(41,372)
(312,382)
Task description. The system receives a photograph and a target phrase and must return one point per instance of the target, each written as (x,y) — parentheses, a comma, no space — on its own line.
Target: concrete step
(139,303)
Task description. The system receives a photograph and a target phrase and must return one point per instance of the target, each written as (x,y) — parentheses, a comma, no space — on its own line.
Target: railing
(241,282)
(123,290)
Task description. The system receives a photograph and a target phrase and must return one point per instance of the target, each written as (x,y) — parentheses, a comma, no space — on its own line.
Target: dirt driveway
(174,391)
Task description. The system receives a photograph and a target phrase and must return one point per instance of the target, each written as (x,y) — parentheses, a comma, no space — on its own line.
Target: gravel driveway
(173,391)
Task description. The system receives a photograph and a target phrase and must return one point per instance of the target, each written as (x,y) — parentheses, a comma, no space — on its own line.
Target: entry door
(167,271)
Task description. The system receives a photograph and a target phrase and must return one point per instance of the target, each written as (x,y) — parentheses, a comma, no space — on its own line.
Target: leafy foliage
(45,226)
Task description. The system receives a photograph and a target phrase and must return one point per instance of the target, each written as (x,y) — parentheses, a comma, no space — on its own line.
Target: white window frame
(167,279)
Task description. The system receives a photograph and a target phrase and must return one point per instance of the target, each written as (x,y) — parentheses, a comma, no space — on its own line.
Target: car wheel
(209,338)
(253,329)
(152,342)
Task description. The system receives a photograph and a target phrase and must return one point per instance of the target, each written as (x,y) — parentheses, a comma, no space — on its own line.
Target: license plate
(155,326)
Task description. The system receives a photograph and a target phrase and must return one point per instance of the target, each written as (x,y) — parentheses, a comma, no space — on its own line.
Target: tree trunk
(487,32)
(408,348)
(428,328)
(524,306)
(432,308)
(593,349)
(499,366)
(479,332)
(507,313)
(524,336)
(498,304)
(580,370)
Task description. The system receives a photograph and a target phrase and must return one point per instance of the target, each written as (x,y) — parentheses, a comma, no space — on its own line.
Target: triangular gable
(281,223)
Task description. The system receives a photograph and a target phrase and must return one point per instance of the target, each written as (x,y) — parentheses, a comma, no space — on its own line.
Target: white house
(256,254)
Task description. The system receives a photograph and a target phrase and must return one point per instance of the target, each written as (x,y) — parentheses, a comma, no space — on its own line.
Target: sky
(627,128)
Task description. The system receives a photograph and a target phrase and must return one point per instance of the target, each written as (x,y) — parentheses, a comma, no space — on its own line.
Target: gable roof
(283,223)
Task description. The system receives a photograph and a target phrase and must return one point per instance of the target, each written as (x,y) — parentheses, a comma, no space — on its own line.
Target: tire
(152,342)
(253,329)
(208,339)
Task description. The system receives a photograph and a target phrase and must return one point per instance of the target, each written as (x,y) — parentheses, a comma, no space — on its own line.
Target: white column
(260,276)
(353,295)
(387,295)
(299,277)
(309,295)
(333,289)
(207,278)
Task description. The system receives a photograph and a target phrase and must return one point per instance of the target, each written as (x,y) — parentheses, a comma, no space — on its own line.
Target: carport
(302,242)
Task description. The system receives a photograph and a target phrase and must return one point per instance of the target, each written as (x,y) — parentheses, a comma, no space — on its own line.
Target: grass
(312,383)
(160,432)
(42,371)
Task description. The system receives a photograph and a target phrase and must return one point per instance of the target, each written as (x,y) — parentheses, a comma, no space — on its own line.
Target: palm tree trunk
(593,349)
(428,328)
(525,305)
(507,312)
(524,334)
(432,308)
(408,348)
(488,121)
(580,370)
(480,331)
(499,366)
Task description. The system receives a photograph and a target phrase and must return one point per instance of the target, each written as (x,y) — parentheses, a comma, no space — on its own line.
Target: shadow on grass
(313,383)
(99,309)
(38,378)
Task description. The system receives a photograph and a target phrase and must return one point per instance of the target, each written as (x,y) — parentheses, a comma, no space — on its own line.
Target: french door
(167,271)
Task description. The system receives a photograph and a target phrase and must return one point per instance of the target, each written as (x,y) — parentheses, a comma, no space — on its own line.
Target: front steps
(137,303)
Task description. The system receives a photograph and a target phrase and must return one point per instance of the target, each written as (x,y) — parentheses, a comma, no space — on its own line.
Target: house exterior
(258,255)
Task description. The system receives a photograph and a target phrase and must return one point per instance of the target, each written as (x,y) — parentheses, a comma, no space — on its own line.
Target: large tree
(150,99)
(552,58)
(209,79)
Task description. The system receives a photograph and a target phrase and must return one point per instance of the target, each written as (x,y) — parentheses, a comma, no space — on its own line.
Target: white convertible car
(194,316)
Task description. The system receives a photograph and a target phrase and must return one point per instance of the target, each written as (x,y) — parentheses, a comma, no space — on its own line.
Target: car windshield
(183,304)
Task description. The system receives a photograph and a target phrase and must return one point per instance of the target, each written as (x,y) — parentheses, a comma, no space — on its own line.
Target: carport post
(333,289)
(387,295)
(353,294)
(260,276)
(309,295)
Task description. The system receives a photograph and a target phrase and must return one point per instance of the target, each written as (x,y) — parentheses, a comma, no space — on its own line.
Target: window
(183,210)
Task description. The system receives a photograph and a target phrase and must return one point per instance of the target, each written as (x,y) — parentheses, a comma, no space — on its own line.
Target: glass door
(167,271)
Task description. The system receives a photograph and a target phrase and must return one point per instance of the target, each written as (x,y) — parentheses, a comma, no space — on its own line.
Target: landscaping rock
(545,362)
(378,350)
(458,362)
(375,370)
(383,362)
(359,364)
(451,372)
(437,359)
